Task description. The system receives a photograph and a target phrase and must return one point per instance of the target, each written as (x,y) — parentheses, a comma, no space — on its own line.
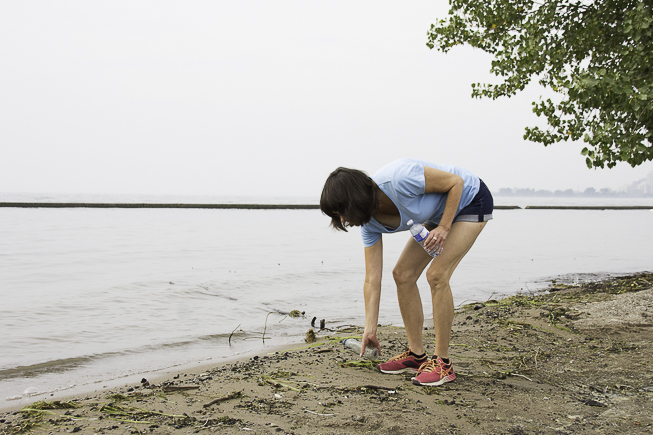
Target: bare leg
(459,241)
(412,262)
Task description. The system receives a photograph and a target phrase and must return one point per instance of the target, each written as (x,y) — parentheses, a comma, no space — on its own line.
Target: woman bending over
(453,204)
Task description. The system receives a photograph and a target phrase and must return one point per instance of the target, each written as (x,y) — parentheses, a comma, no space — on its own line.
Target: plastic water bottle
(370,352)
(419,234)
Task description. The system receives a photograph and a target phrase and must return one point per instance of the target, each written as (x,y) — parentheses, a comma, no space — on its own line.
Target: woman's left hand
(436,238)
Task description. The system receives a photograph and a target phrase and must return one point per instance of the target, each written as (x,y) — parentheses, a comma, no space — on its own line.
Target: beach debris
(232,395)
(592,402)
(431,390)
(232,332)
(525,377)
(377,388)
(360,364)
(317,413)
(296,313)
(278,384)
(170,388)
(349,328)
(313,322)
(322,324)
(310,336)
(265,406)
(114,409)
(370,353)
(55,404)
(478,307)
(265,327)
(273,379)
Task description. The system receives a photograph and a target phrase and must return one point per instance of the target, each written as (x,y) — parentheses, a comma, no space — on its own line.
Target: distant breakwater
(279,206)
(155,205)
(593,207)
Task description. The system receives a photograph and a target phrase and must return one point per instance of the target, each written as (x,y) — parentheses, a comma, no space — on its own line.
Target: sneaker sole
(396,372)
(433,384)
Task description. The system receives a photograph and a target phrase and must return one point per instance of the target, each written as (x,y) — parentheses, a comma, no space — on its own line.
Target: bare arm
(437,181)
(372,293)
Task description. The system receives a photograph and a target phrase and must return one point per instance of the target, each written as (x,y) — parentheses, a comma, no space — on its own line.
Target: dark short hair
(349,193)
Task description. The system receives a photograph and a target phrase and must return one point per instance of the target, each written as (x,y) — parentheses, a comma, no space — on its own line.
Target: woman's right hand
(370,340)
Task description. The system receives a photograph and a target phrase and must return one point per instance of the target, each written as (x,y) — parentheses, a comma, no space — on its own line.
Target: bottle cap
(409,223)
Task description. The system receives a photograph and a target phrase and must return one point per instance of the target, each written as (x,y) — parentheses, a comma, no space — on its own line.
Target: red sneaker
(401,363)
(434,372)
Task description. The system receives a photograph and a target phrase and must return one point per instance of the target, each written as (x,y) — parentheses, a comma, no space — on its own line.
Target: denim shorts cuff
(473,218)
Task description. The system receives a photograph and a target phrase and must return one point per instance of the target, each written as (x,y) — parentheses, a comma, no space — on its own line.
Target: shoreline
(121,381)
(576,359)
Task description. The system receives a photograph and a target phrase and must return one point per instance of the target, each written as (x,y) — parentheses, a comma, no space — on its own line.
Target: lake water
(92,297)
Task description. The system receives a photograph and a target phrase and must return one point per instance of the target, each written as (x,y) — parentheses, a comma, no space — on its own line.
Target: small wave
(66,364)
(54,366)
(208,292)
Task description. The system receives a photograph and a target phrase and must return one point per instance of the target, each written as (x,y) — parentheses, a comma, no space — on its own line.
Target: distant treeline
(590,192)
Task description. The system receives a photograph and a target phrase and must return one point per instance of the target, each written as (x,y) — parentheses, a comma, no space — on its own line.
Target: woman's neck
(387,213)
(386,206)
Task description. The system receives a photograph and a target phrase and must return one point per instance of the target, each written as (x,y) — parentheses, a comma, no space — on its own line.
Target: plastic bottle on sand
(419,234)
(370,352)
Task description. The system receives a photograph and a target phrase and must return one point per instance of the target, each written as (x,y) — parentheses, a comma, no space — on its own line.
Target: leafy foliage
(597,55)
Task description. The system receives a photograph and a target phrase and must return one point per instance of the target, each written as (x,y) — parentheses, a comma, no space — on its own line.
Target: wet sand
(578,359)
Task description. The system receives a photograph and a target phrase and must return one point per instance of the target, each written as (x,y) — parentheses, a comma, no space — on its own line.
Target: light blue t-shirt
(403,182)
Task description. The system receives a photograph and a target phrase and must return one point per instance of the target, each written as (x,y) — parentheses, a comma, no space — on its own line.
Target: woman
(454,206)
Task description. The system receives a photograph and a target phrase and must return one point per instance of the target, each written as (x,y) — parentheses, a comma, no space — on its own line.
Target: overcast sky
(253,98)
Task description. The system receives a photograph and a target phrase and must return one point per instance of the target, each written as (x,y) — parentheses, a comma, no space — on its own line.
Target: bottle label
(422,235)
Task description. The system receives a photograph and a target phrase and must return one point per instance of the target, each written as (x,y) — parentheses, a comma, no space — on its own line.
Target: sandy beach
(577,359)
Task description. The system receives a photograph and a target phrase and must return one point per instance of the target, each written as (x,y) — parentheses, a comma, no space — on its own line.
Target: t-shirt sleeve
(409,180)
(369,237)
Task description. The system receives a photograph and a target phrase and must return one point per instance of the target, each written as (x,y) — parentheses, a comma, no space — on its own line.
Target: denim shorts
(479,210)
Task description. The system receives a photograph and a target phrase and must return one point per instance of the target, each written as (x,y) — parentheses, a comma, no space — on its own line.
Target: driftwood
(232,333)
(265,327)
(317,413)
(376,387)
(169,388)
(273,382)
(279,384)
(234,395)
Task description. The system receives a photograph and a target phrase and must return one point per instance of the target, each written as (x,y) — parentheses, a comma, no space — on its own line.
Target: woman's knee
(438,280)
(404,276)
